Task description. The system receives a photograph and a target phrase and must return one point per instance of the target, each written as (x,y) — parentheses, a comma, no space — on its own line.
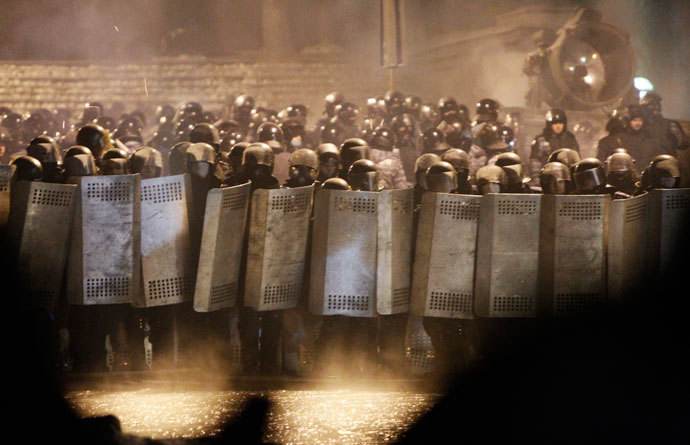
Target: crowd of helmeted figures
(400,143)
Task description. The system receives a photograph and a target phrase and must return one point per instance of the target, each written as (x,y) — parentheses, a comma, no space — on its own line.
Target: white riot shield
(394,251)
(443,281)
(38,235)
(6,172)
(343,262)
(104,261)
(627,240)
(166,254)
(507,256)
(669,219)
(221,248)
(572,260)
(278,230)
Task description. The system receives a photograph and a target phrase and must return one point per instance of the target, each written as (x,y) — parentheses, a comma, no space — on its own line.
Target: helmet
(130,124)
(403,127)
(512,165)
(651,101)
(446,104)
(664,172)
(495,136)
(293,128)
(555,116)
(164,113)
(226,127)
(235,156)
(584,129)
(434,141)
(242,107)
(565,156)
(257,154)
(200,157)
(271,134)
(229,141)
(335,184)
(79,164)
(304,166)
(428,114)
(458,138)
(382,139)
(44,152)
(115,153)
(332,100)
(27,168)
(487,110)
(349,153)
(329,132)
(205,132)
(460,161)
(77,150)
(208,117)
(441,178)
(421,165)
(363,176)
(491,179)
(177,158)
(146,161)
(95,138)
(329,158)
(589,175)
(620,162)
(394,101)
(555,179)
(347,111)
(114,166)
(106,122)
(413,105)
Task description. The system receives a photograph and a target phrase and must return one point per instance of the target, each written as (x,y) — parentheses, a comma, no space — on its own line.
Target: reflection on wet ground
(323,415)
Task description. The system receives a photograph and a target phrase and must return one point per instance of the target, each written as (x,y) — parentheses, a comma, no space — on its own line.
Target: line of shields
(120,239)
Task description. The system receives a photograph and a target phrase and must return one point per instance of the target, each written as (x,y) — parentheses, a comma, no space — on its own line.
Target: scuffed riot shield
(278,229)
(669,219)
(443,281)
(221,248)
(343,262)
(572,260)
(38,236)
(394,246)
(104,261)
(627,253)
(418,348)
(6,172)
(507,256)
(166,258)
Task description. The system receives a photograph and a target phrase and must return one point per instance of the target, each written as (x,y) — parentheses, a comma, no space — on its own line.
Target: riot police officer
(146,161)
(491,179)
(434,141)
(272,135)
(638,137)
(404,127)
(620,173)
(613,140)
(493,139)
(350,151)
(420,167)
(304,165)
(329,158)
(387,159)
(49,156)
(27,168)
(460,161)
(555,179)
(590,178)
(346,119)
(512,165)
(114,162)
(663,172)
(554,136)
(177,158)
(95,138)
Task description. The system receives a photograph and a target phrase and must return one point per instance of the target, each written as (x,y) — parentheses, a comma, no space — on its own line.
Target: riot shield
(572,247)
(669,219)
(166,259)
(278,229)
(343,262)
(6,172)
(507,256)
(443,281)
(221,248)
(104,260)
(627,246)
(394,251)
(38,233)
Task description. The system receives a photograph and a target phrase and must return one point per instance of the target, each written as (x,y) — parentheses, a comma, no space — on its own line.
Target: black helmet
(27,168)
(200,157)
(329,132)
(327,151)
(495,136)
(428,115)
(491,179)
(95,138)
(177,158)
(651,101)
(441,177)
(114,166)
(555,179)
(413,105)
(620,162)
(293,128)
(335,184)
(394,101)
(115,153)
(403,126)
(446,104)
(304,166)
(565,156)
(421,165)
(555,116)
(512,165)
(487,110)
(146,161)
(347,111)
(106,122)
(44,152)
(382,139)
(229,141)
(256,154)
(350,153)
(589,175)
(244,102)
(332,100)
(664,172)
(459,159)
(77,150)
(458,138)
(205,132)
(271,134)
(79,164)
(434,141)
(225,127)
(363,176)
(235,155)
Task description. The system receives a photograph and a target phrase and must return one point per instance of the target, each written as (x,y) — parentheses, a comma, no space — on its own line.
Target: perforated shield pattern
(166,259)
(104,265)
(507,256)
(343,263)
(669,218)
(279,226)
(627,238)
(221,248)
(573,246)
(443,279)
(39,229)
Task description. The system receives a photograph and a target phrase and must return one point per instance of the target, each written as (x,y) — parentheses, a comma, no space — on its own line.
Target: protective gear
(555,179)
(403,126)
(45,153)
(115,153)
(114,166)
(565,156)
(394,101)
(329,133)
(177,158)
(201,158)
(205,132)
(235,159)
(332,100)
(95,138)
(495,137)
(382,139)
(620,170)
(457,137)
(651,101)
(664,172)
(148,162)
(428,116)
(556,116)
(421,165)
(229,141)
(413,106)
(304,164)
(589,176)
(434,141)
(294,133)
(27,169)
(347,112)
(486,111)
(225,127)
(491,179)
(257,161)
(448,109)
(335,184)
(351,151)
(329,158)
(271,134)
(363,176)
(79,165)
(441,178)
(512,165)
